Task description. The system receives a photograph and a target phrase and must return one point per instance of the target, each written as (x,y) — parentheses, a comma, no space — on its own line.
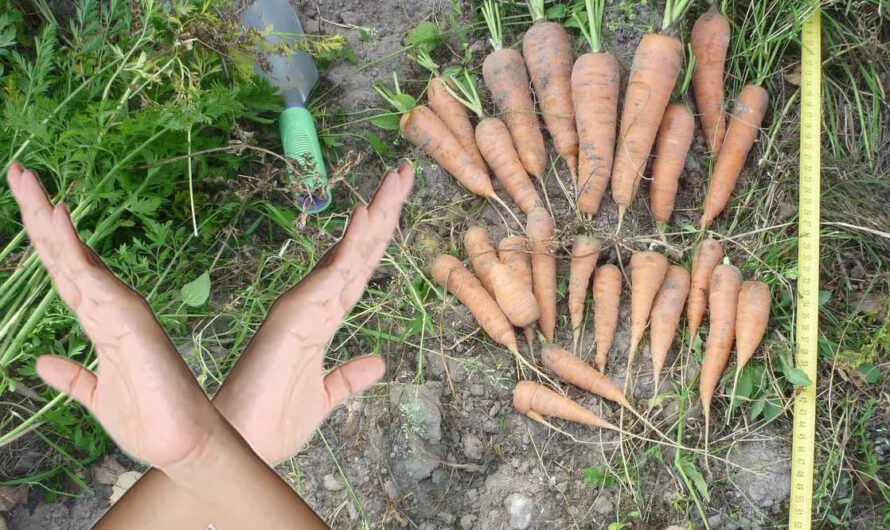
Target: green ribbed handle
(301,144)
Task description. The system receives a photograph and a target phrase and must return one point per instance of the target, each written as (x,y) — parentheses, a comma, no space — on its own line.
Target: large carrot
(606,301)
(596,80)
(497,148)
(573,369)
(710,41)
(585,252)
(482,255)
(671,147)
(452,113)
(665,317)
(653,74)
(548,57)
(726,280)
(648,270)
(536,401)
(450,273)
(752,317)
(708,254)
(540,234)
(507,79)
(513,252)
(747,115)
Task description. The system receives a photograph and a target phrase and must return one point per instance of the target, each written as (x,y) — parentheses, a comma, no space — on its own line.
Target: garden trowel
(295,75)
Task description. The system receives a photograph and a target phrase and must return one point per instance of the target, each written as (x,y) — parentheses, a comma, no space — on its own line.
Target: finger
(36,211)
(384,212)
(69,377)
(352,378)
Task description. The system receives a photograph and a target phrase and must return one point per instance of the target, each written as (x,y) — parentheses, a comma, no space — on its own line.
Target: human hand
(143,394)
(276,395)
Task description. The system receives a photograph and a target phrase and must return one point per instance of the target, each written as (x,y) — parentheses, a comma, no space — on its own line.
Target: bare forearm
(230,488)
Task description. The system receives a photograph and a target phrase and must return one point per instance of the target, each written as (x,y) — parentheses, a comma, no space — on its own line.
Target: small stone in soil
(472,446)
(467,521)
(520,509)
(446,518)
(331,483)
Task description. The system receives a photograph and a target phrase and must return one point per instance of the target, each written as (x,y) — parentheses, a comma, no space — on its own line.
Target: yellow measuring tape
(804,441)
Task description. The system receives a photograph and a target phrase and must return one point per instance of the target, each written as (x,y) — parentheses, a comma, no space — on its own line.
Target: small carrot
(671,147)
(573,369)
(752,317)
(726,280)
(585,252)
(653,74)
(515,298)
(452,113)
(710,41)
(507,79)
(596,81)
(665,317)
(535,401)
(708,254)
(548,57)
(540,234)
(496,145)
(513,252)
(648,270)
(606,301)
(450,273)
(482,255)
(737,143)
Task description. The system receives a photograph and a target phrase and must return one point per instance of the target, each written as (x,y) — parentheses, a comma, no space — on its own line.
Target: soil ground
(437,444)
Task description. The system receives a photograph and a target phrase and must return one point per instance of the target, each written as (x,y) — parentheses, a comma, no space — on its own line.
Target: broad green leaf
(757,409)
(771,411)
(792,374)
(196,292)
(424,36)
(387,122)
(870,373)
(697,479)
(824,297)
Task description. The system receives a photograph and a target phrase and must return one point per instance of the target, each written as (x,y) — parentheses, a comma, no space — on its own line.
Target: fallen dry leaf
(107,471)
(12,496)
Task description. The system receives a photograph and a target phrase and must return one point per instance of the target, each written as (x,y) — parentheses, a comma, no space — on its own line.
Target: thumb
(352,378)
(69,377)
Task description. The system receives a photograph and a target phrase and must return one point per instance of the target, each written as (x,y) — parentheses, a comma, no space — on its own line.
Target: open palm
(143,394)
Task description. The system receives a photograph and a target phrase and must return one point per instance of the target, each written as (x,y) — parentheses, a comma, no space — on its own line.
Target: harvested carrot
(496,145)
(573,369)
(708,254)
(596,80)
(606,300)
(548,56)
(451,274)
(752,317)
(540,234)
(423,128)
(515,298)
(452,113)
(740,135)
(535,401)
(648,270)
(585,252)
(726,280)
(513,252)
(482,255)
(653,74)
(507,79)
(665,317)
(710,41)
(671,147)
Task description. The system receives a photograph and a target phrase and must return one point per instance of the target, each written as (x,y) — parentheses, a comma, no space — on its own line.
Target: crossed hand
(143,393)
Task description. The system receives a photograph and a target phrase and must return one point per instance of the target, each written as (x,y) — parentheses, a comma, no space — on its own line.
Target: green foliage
(597,477)
(425,36)
(196,292)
